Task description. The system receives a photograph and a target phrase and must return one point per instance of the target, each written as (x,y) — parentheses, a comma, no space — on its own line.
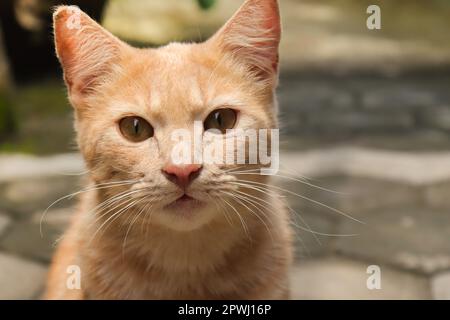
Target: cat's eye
(221,119)
(135,129)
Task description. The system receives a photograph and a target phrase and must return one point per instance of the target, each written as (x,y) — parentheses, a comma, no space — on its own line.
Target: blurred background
(365,113)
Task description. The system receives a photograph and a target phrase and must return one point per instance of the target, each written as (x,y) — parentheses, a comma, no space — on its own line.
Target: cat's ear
(85,49)
(252,36)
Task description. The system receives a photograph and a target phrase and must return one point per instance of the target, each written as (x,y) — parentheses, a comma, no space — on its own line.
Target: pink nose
(182,175)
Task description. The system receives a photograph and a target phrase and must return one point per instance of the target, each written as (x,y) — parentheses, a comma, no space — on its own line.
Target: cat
(147,228)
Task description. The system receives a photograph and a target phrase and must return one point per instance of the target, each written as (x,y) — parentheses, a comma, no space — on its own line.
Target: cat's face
(129,102)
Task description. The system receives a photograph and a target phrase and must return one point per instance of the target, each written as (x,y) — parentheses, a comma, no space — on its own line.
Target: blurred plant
(8,124)
(206,4)
(7,119)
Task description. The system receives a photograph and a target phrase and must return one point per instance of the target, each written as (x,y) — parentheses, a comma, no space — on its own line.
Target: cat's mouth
(185,202)
(185,198)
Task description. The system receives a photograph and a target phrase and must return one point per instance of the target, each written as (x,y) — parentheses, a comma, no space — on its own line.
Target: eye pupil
(221,119)
(135,129)
(136,125)
(218,119)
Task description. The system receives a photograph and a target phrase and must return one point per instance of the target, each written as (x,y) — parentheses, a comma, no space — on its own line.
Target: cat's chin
(184,214)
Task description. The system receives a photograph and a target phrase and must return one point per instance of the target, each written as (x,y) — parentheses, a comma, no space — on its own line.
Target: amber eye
(221,119)
(135,129)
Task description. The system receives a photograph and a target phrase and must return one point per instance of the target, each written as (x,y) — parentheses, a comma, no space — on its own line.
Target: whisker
(117,200)
(221,209)
(300,217)
(240,218)
(148,212)
(75,173)
(313,232)
(92,188)
(302,220)
(149,219)
(114,216)
(246,182)
(109,201)
(308,228)
(293,179)
(239,198)
(131,225)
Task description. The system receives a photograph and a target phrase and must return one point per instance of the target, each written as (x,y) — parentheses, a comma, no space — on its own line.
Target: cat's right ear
(85,49)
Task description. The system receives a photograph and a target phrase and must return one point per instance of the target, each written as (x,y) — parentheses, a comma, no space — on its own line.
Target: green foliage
(42,120)
(7,121)
(206,4)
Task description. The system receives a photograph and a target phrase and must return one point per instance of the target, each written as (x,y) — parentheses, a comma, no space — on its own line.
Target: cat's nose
(182,175)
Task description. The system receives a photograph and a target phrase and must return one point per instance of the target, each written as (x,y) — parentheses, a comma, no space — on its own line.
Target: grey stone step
(351,195)
(5,222)
(14,167)
(25,196)
(440,286)
(25,237)
(415,239)
(339,278)
(20,278)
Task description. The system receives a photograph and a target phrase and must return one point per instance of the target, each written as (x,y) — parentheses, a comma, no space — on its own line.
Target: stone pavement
(410,112)
(401,198)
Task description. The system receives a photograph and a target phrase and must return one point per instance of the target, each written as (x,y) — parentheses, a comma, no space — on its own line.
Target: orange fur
(138,250)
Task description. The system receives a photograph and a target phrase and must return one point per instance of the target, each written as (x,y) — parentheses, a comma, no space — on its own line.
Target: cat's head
(128,103)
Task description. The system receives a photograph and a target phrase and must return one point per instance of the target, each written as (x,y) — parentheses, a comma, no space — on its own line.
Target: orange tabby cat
(146,227)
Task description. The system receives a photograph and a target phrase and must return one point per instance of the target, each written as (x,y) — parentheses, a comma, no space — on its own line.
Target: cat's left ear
(252,36)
